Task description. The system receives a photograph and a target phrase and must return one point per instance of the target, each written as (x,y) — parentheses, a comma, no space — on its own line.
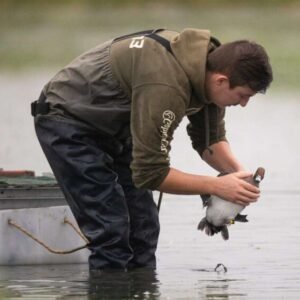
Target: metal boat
(36,224)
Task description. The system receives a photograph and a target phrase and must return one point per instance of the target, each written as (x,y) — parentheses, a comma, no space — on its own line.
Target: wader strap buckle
(40,106)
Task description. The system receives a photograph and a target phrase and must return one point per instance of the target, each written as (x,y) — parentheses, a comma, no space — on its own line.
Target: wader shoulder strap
(164,42)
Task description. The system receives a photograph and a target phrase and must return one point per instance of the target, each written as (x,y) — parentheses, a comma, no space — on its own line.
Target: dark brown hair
(244,62)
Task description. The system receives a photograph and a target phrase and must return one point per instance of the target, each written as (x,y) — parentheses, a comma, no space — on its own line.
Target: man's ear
(220,79)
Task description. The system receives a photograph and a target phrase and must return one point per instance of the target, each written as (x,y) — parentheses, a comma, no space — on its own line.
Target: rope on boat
(66,221)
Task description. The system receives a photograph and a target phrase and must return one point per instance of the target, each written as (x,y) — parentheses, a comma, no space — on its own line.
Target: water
(262,256)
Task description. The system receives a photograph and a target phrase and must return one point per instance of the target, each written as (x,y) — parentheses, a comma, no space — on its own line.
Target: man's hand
(231,187)
(234,188)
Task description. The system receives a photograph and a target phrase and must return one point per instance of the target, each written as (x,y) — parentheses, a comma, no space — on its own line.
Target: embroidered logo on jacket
(137,42)
(168,118)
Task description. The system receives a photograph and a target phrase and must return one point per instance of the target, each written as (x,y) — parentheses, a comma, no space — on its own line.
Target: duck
(221,213)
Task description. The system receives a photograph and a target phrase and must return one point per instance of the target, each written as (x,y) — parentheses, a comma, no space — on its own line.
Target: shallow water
(262,256)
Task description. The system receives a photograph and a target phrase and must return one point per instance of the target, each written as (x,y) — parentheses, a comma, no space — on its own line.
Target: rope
(19,227)
(66,221)
(159,201)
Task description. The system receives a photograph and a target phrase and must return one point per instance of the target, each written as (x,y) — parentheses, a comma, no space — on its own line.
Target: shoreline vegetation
(95,3)
(41,35)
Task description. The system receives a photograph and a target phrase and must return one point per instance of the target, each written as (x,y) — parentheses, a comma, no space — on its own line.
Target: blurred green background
(39,35)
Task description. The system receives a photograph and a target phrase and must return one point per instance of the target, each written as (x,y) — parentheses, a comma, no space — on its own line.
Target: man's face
(219,92)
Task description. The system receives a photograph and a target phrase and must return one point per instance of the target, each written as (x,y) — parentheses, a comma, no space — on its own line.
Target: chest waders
(120,221)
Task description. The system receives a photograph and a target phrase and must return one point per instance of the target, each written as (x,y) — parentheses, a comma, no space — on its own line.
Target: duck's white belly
(220,212)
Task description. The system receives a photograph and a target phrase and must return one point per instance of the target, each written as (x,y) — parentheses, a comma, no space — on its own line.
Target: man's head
(236,71)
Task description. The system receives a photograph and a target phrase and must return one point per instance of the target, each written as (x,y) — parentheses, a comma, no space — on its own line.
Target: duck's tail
(210,229)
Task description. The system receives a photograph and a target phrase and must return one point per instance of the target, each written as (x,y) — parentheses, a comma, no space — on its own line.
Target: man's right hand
(234,188)
(231,187)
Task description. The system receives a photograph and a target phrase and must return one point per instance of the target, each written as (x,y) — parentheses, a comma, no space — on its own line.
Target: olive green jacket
(133,86)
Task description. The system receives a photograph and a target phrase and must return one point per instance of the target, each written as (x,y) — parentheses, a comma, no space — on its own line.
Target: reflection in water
(219,289)
(75,282)
(134,284)
(213,292)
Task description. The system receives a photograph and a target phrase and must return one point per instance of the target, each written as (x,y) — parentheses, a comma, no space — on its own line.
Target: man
(105,123)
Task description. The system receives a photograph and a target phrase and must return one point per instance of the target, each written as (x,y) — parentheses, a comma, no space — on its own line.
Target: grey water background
(262,256)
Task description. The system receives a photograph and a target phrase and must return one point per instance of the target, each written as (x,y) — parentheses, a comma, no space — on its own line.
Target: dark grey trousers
(120,221)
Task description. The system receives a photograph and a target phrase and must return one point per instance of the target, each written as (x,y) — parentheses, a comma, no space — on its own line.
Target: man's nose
(244,102)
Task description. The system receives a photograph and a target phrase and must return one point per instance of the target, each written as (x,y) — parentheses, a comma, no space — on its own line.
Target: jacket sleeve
(198,126)
(157,110)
